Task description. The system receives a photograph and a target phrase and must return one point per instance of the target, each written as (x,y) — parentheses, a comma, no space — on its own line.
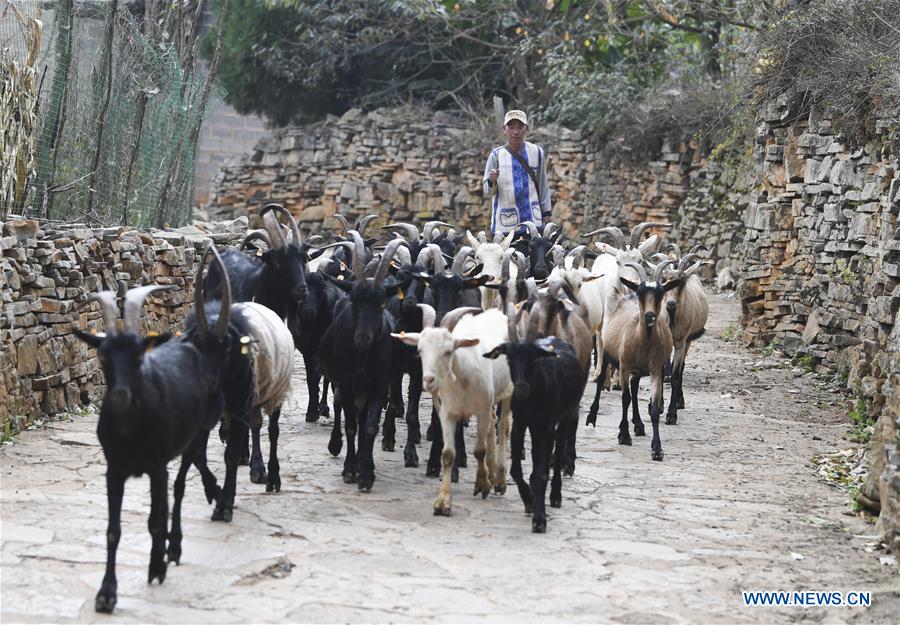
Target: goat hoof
(350,477)
(258,476)
(454,475)
(639,429)
(625,440)
(312,415)
(671,419)
(387,444)
(528,508)
(433,469)
(429,433)
(410,458)
(324,411)
(173,553)
(441,510)
(569,470)
(656,454)
(365,483)
(591,419)
(222,514)
(680,404)
(335,445)
(461,461)
(555,502)
(273,485)
(538,525)
(418,440)
(244,461)
(105,601)
(157,570)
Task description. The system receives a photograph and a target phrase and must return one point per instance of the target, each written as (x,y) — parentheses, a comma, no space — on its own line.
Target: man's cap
(519,115)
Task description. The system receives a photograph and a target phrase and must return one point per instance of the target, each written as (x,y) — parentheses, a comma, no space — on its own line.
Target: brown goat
(638,341)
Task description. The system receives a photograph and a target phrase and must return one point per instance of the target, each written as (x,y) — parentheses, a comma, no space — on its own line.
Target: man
(515,178)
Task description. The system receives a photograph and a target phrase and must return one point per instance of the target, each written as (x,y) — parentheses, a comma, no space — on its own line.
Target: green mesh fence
(116,121)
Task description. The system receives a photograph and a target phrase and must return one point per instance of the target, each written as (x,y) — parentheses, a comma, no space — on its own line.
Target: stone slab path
(736,505)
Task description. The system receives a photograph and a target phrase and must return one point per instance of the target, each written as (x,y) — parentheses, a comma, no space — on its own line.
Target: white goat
(462,383)
(490,255)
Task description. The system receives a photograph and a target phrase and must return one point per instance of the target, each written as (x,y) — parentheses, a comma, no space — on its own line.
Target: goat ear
(631,285)
(507,240)
(153,340)
(411,338)
(424,277)
(672,284)
(471,283)
(314,254)
(391,288)
(457,343)
(592,277)
(493,285)
(498,351)
(475,269)
(344,285)
(93,340)
(472,241)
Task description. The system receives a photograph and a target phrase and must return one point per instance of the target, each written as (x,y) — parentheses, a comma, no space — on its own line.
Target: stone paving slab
(635,541)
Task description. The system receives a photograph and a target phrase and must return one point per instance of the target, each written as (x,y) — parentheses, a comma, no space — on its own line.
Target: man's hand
(547,219)
(493,176)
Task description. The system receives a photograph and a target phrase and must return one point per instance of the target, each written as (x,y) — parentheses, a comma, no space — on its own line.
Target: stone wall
(47,273)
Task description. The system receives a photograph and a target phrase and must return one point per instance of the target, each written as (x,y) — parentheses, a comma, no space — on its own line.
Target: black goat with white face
(548,381)
(162,398)
(356,355)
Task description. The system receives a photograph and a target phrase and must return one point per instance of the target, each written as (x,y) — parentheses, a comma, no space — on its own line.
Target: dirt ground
(737,505)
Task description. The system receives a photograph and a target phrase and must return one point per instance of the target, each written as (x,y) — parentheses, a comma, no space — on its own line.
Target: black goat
(355,353)
(535,247)
(162,399)
(308,321)
(548,381)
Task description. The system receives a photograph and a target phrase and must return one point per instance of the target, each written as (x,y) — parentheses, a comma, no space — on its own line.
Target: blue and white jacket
(516,199)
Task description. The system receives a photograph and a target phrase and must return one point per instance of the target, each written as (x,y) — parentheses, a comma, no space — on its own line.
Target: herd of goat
(503,330)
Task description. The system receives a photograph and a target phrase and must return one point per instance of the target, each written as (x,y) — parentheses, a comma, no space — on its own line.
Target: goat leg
(444,501)
(460,457)
(413,431)
(351,462)
(157,523)
(394,410)
(502,446)
(569,454)
(313,374)
(210,488)
(115,487)
(323,402)
(559,457)
(624,435)
(433,467)
(541,447)
(173,550)
(595,405)
(368,432)
(224,509)
(517,447)
(273,482)
(257,468)
(337,437)
(656,386)
(635,413)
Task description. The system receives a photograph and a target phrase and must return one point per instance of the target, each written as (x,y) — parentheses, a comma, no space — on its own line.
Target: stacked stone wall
(47,274)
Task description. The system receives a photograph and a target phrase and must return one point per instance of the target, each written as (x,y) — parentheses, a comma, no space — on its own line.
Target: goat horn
(511,326)
(685,261)
(616,233)
(577,253)
(440,264)
(225,306)
(295,230)
(386,257)
(403,254)
(359,257)
(504,265)
(134,300)
(558,254)
(428,315)
(428,228)
(412,233)
(673,247)
(657,273)
(638,231)
(270,221)
(256,235)
(459,261)
(363,223)
(110,310)
(345,225)
(532,229)
(698,247)
(549,229)
(640,270)
(452,318)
